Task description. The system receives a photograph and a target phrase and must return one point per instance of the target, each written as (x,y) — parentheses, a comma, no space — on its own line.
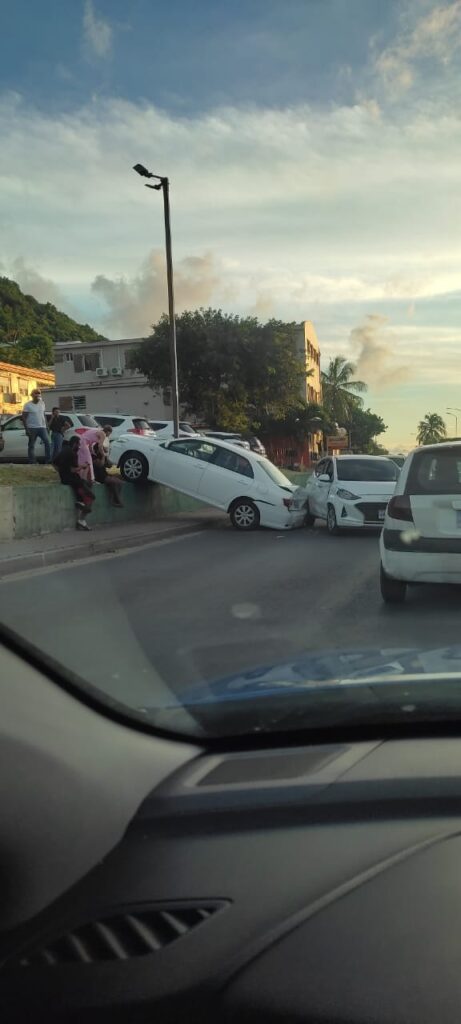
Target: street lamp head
(143,171)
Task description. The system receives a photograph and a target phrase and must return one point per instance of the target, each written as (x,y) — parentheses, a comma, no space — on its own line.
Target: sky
(314,154)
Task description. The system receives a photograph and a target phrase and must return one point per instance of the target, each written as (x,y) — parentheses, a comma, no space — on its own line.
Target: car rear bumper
(281,518)
(421,567)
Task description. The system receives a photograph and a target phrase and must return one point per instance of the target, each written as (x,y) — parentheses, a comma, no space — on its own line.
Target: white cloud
(433,36)
(97,32)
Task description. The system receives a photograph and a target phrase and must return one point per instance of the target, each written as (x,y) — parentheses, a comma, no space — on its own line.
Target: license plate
(458,518)
(381,513)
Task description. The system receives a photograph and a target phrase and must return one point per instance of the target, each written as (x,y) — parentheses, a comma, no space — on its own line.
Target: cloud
(134,304)
(434,36)
(97,32)
(376,357)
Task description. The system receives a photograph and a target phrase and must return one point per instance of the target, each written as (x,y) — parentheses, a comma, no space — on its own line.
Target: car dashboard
(316,882)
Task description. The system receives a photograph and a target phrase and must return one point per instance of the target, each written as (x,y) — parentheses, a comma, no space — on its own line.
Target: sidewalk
(71,545)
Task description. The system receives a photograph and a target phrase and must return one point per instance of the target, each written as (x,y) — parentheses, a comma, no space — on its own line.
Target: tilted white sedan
(351,491)
(246,485)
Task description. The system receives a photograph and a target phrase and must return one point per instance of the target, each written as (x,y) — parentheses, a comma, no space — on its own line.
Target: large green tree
(234,372)
(431,429)
(29,329)
(364,426)
(341,393)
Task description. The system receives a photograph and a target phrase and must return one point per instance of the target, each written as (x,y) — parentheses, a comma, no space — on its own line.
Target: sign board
(337,441)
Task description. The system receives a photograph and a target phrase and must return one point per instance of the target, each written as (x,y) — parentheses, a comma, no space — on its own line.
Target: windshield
(283,274)
(366,470)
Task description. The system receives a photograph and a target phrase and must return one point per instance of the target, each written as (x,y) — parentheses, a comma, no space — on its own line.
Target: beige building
(17,384)
(308,349)
(96,377)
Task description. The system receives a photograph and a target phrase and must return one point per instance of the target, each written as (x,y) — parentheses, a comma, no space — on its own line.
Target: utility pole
(164,185)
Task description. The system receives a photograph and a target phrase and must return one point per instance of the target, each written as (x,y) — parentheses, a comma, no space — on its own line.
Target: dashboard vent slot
(119,936)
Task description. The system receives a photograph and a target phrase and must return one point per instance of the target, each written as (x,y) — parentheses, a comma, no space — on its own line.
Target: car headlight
(347,495)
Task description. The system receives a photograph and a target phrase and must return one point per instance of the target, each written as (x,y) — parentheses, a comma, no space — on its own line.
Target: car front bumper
(349,514)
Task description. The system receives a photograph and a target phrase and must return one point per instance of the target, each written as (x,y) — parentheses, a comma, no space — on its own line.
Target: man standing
(34,419)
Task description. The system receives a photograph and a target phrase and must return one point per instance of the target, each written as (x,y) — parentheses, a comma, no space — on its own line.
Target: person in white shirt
(34,419)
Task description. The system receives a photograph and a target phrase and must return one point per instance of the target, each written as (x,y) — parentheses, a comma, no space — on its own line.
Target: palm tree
(340,391)
(431,429)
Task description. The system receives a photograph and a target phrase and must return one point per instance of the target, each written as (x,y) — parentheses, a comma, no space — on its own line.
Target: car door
(15,438)
(227,476)
(180,464)
(319,490)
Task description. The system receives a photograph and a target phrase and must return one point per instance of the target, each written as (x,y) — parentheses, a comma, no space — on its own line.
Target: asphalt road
(207,605)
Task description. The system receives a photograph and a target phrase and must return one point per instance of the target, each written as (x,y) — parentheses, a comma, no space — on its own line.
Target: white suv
(164,429)
(16,440)
(122,424)
(421,539)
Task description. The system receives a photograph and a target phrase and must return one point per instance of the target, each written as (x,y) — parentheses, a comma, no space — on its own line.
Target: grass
(40,475)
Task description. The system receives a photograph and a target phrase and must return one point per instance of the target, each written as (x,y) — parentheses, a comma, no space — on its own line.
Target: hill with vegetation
(29,329)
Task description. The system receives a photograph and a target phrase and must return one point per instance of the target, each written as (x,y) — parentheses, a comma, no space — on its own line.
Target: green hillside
(29,329)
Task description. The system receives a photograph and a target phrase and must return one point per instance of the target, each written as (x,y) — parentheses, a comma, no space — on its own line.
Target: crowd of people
(80,462)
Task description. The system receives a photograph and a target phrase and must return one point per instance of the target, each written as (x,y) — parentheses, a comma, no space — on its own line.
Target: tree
(340,391)
(364,426)
(431,429)
(235,373)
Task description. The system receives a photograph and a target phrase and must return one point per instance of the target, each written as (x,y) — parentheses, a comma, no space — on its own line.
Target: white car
(122,424)
(163,429)
(16,440)
(247,486)
(350,491)
(421,539)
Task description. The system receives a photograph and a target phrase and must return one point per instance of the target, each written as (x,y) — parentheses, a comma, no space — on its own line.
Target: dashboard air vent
(118,936)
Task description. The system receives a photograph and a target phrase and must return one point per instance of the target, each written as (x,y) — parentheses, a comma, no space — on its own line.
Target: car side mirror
(324,478)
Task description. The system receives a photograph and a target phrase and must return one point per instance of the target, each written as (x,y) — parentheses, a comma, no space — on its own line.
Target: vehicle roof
(244,452)
(355,457)
(436,447)
(122,415)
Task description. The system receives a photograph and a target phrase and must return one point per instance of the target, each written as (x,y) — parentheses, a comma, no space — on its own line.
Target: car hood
(368,488)
(323,689)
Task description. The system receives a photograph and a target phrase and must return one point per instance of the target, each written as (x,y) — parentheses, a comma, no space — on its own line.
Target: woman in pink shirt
(88,438)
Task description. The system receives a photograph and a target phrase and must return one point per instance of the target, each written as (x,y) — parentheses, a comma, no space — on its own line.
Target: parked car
(421,539)
(350,491)
(252,490)
(164,429)
(398,459)
(15,437)
(221,435)
(123,424)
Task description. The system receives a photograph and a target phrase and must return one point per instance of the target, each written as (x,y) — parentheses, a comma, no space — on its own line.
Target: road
(209,604)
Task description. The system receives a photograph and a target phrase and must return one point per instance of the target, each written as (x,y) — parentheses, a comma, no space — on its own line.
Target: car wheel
(392,591)
(134,468)
(244,515)
(309,519)
(332,523)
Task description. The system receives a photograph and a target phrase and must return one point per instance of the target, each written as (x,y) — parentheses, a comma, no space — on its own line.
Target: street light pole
(456,420)
(164,185)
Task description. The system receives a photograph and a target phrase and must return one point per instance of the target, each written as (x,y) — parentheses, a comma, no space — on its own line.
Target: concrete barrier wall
(29,511)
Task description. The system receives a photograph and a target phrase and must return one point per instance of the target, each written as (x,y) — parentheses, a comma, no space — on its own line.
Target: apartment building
(17,384)
(96,377)
(308,350)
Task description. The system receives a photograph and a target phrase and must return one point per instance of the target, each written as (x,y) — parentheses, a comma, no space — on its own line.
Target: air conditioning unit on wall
(116,371)
(101,372)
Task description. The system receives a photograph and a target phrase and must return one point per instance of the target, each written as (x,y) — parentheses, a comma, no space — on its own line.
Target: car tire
(244,515)
(134,467)
(332,522)
(392,591)
(309,519)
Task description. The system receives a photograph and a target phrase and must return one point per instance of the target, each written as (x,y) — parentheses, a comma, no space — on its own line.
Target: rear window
(88,421)
(186,428)
(113,421)
(367,470)
(435,473)
(275,474)
(158,424)
(141,425)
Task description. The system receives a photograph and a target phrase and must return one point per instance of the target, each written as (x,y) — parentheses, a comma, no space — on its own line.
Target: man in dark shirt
(57,425)
(66,463)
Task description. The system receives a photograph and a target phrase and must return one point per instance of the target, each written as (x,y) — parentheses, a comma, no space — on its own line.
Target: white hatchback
(247,486)
(421,539)
(123,424)
(351,491)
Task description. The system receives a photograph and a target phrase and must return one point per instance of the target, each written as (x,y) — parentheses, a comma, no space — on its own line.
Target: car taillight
(288,502)
(399,507)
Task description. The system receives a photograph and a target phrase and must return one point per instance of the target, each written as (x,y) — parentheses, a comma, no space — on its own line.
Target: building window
(79,403)
(87,362)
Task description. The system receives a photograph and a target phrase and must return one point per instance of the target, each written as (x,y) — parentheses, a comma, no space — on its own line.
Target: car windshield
(275,294)
(366,470)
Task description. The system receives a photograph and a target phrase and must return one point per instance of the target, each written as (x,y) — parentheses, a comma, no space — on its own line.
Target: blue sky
(314,151)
